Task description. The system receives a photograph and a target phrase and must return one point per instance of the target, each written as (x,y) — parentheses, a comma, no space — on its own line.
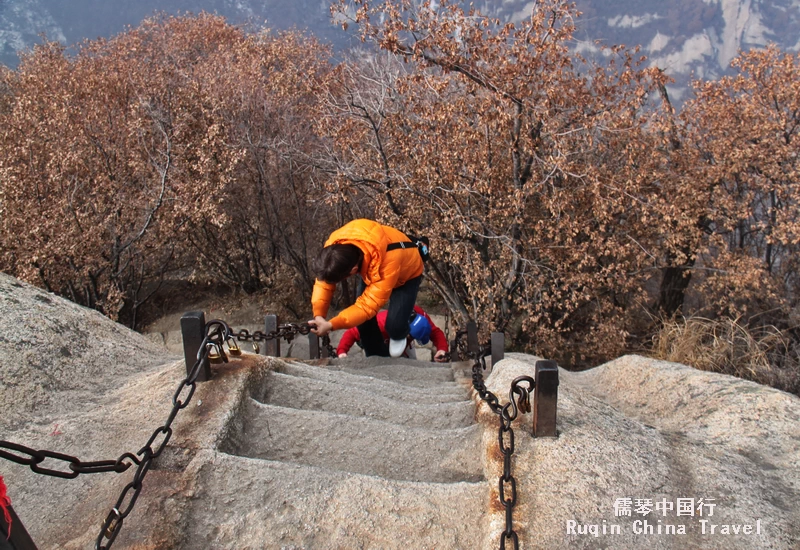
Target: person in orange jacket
(434,334)
(390,267)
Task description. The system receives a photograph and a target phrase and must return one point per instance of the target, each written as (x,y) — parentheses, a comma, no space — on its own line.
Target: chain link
(518,401)
(33,458)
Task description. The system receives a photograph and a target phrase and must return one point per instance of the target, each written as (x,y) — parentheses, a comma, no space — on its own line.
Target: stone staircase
(368,453)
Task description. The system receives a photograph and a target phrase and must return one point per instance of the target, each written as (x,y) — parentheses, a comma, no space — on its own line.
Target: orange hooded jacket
(381,271)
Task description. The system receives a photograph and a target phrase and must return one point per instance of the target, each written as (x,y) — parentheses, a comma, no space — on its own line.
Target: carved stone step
(355,444)
(304,393)
(245,503)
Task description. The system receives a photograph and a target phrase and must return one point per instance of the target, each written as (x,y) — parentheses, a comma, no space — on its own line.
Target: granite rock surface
(383,453)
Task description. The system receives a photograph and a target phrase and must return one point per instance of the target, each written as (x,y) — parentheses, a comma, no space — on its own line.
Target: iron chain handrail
(220,332)
(217,332)
(286,331)
(518,401)
(16,453)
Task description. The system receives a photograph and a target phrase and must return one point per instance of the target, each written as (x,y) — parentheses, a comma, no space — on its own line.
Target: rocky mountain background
(686,38)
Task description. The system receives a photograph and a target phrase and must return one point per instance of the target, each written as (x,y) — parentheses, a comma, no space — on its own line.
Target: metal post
(454,351)
(545,398)
(472,337)
(193,331)
(325,352)
(498,347)
(271,347)
(19,539)
(313,346)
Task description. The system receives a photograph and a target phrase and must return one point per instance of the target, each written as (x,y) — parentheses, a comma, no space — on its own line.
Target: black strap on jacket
(420,243)
(395,246)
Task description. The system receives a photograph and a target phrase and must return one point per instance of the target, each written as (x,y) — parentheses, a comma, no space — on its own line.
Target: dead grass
(763,354)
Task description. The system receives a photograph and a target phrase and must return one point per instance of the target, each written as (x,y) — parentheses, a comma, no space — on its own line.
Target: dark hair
(335,262)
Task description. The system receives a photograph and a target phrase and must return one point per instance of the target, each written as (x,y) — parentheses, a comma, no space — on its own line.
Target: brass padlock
(233,348)
(256,349)
(112,523)
(214,355)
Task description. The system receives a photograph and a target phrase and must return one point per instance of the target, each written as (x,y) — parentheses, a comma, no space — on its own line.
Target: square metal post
(472,337)
(454,351)
(271,347)
(313,346)
(325,352)
(498,347)
(545,399)
(193,331)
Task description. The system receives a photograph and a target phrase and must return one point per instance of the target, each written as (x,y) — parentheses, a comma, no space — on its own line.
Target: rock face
(648,430)
(56,354)
(386,453)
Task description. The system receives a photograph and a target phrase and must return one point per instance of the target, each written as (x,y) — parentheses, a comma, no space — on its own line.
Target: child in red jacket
(351,336)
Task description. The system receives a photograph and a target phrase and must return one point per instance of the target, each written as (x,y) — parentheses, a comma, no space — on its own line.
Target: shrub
(762,354)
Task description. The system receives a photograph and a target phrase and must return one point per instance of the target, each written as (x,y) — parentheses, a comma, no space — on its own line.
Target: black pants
(401,305)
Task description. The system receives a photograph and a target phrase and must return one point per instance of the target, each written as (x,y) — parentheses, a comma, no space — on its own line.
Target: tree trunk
(673,288)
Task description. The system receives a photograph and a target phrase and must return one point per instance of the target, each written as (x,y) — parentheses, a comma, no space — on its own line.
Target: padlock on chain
(214,353)
(233,348)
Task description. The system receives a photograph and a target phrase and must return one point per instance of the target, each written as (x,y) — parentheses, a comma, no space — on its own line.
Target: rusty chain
(33,458)
(216,333)
(518,401)
(286,331)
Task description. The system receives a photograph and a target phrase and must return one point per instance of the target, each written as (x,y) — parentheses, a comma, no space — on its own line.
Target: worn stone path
(358,455)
